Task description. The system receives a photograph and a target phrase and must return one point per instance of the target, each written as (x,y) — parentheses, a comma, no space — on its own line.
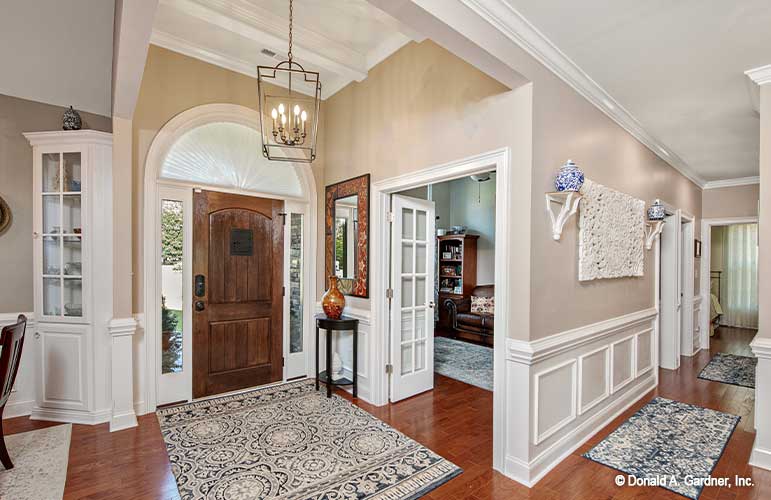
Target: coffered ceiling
(342,39)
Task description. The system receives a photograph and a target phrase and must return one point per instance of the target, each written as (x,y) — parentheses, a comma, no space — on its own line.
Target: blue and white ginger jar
(569,178)
(656,211)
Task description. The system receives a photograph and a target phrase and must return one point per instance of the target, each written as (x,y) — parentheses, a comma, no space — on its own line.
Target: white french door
(175,281)
(412,281)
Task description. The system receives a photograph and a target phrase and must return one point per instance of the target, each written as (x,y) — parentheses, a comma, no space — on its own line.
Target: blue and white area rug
(669,444)
(731,369)
(291,442)
(463,361)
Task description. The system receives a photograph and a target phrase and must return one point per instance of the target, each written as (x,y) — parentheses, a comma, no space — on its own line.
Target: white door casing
(412,280)
(671,283)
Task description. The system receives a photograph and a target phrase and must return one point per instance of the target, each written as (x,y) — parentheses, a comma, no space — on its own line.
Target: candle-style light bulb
(281,108)
(274,113)
(303,116)
(296,109)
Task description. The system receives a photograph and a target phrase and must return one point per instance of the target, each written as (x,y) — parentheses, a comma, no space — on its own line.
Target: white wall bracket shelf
(568,201)
(653,229)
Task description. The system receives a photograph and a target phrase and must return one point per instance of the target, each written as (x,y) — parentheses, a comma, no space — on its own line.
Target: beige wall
(568,126)
(18,116)
(423,107)
(173,83)
(737,201)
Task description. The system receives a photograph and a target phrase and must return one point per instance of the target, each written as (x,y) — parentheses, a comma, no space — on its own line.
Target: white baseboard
(761,458)
(18,409)
(530,473)
(123,421)
(70,416)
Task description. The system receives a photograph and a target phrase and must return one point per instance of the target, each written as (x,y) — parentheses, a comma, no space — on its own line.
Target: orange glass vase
(333,301)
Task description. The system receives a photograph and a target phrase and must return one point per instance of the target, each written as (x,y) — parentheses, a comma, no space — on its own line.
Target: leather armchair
(463,320)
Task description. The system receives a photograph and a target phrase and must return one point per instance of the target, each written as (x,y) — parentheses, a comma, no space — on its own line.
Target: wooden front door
(237,292)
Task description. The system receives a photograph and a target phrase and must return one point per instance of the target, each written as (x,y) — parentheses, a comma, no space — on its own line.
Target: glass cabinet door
(62,235)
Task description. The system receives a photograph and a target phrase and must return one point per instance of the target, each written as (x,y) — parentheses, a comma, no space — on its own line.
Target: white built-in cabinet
(72,245)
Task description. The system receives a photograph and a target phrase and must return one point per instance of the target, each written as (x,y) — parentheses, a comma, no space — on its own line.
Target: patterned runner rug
(669,444)
(731,369)
(292,442)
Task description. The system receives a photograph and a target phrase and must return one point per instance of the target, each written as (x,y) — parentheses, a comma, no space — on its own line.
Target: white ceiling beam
(270,31)
(409,14)
(755,78)
(133,27)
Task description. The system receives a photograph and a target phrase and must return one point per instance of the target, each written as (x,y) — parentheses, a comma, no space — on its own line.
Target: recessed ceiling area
(678,67)
(340,39)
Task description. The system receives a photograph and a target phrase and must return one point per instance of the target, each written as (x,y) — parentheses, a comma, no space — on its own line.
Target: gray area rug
(39,464)
(669,443)
(462,361)
(731,369)
(291,442)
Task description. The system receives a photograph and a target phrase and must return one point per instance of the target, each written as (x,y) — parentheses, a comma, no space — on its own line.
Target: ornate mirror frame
(358,286)
(5,216)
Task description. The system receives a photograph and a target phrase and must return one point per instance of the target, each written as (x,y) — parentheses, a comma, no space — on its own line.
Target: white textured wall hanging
(612,225)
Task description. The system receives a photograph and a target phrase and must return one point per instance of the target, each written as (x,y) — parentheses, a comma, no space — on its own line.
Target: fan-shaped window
(229,155)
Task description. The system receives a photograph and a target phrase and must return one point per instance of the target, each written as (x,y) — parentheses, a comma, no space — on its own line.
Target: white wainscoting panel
(22,397)
(622,361)
(579,381)
(594,366)
(555,394)
(644,354)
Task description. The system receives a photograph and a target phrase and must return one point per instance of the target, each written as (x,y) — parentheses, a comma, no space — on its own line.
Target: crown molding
(514,26)
(739,181)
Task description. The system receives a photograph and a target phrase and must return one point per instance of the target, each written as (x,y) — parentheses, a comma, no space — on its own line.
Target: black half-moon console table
(335,325)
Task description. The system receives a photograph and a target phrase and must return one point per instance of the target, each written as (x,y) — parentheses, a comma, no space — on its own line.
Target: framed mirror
(347,235)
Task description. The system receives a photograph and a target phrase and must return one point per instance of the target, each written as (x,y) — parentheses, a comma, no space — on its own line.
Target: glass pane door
(294,305)
(412,280)
(62,254)
(173,316)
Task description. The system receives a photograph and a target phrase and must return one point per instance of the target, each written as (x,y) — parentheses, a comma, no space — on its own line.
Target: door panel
(669,335)
(238,331)
(412,278)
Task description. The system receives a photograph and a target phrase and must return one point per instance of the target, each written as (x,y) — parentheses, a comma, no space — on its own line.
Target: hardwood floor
(455,420)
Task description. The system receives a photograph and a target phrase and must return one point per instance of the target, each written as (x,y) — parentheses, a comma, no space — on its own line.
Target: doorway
(499,162)
(238,288)
(729,285)
(676,289)
(216,148)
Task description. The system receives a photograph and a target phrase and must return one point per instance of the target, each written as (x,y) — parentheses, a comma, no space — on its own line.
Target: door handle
(199,305)
(432,304)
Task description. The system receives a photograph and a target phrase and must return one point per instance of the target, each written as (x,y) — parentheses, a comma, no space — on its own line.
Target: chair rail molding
(122,331)
(565,387)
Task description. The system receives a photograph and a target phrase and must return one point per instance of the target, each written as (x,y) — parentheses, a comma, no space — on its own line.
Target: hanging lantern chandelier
(289,108)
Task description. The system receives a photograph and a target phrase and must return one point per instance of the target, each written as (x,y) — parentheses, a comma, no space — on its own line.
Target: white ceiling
(58,52)
(342,39)
(678,67)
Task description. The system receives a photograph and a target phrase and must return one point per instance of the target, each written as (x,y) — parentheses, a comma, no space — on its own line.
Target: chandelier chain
(291,13)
